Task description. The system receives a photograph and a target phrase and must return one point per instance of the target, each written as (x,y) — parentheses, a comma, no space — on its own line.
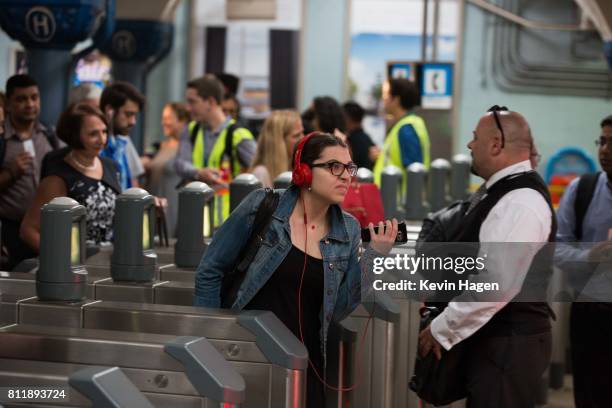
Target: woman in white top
(279,134)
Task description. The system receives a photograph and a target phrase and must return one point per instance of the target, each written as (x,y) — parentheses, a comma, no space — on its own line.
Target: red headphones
(302,173)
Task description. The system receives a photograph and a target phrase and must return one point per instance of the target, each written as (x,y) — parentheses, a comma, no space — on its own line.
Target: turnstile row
(177,320)
(384,365)
(172,371)
(268,356)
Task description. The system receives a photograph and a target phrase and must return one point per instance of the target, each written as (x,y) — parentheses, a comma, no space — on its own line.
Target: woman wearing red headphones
(307,270)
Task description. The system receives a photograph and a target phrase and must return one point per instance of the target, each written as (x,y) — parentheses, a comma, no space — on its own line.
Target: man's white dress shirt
(521,215)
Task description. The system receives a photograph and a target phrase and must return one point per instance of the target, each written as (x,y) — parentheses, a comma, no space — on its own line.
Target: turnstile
(373,365)
(106,387)
(270,358)
(172,371)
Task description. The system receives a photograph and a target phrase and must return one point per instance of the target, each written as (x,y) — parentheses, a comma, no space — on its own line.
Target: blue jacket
(343,270)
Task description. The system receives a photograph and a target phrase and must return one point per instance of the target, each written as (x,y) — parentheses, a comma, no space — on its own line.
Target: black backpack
(440,382)
(584,196)
(49,133)
(444,224)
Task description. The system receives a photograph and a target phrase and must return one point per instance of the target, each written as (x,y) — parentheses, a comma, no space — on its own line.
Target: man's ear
(109,111)
(212,101)
(495,146)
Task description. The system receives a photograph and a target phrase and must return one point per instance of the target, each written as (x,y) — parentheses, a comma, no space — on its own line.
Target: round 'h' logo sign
(124,43)
(40,24)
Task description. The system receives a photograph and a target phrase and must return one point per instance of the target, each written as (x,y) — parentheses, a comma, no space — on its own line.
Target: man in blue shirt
(121,102)
(408,140)
(591,322)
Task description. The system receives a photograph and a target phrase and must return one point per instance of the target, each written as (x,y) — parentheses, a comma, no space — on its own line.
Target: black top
(280,296)
(360,143)
(98,196)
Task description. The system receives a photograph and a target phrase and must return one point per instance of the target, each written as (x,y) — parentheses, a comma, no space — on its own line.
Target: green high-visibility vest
(391,153)
(215,161)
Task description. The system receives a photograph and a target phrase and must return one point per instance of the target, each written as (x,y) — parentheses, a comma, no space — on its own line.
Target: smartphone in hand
(402,235)
(28,146)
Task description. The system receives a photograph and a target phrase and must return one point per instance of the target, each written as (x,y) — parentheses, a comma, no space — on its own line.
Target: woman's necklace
(81,165)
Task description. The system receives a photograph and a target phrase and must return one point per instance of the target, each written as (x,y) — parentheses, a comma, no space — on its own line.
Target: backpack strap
(584,195)
(2,149)
(194,133)
(229,145)
(232,280)
(260,225)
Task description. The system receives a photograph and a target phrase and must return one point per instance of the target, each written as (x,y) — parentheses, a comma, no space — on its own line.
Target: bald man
(507,343)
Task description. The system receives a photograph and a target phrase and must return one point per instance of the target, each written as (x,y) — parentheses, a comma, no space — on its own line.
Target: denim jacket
(343,271)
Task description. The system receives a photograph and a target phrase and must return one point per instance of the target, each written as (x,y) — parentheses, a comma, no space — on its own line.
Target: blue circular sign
(40,24)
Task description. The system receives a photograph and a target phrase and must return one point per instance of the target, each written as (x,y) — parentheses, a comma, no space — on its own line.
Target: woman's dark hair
(353,111)
(607,121)
(328,114)
(307,119)
(407,92)
(71,120)
(315,145)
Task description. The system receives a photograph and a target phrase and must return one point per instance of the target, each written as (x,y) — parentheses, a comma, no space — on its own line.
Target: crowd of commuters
(89,156)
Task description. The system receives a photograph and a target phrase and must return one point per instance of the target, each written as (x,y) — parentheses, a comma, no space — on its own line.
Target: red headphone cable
(362,342)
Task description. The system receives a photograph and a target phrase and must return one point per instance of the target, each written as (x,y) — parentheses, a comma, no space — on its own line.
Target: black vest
(517,317)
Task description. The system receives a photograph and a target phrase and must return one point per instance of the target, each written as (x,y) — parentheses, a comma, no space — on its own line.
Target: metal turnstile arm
(108,387)
(207,370)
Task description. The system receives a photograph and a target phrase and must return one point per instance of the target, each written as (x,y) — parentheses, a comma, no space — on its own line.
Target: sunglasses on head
(494,109)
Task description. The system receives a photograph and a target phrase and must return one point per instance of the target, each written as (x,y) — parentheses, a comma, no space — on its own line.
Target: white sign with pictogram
(437,86)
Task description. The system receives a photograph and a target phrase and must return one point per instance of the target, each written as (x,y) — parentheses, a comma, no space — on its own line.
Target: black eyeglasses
(603,142)
(336,168)
(495,109)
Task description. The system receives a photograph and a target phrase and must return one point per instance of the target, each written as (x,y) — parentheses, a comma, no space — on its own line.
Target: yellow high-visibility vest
(391,153)
(216,161)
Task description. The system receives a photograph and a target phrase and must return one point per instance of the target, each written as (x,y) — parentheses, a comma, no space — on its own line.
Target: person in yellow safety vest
(408,141)
(205,151)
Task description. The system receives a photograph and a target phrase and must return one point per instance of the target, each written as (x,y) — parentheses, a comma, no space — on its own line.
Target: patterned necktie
(477,196)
